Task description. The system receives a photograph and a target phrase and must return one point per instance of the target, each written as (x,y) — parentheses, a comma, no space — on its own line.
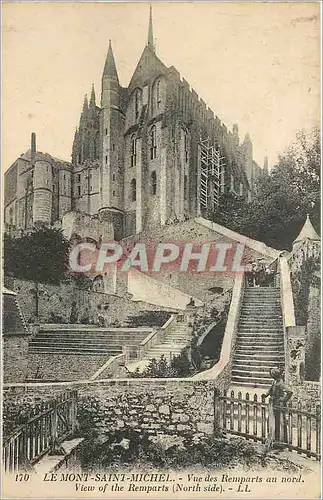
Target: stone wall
(63,367)
(15,349)
(308,393)
(313,339)
(304,267)
(43,303)
(170,406)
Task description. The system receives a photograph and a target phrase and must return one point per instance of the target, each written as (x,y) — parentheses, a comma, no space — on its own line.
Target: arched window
(185,187)
(11,216)
(153,143)
(133,190)
(158,94)
(133,154)
(153,183)
(136,105)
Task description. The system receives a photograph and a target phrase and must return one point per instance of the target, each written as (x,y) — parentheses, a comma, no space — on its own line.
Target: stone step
(262,300)
(78,351)
(278,358)
(255,309)
(254,368)
(251,385)
(258,320)
(254,382)
(81,340)
(258,328)
(156,350)
(260,334)
(271,351)
(253,374)
(264,342)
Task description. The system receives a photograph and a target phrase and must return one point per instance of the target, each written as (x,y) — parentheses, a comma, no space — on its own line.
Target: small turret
(75,147)
(33,147)
(85,111)
(110,82)
(235,132)
(110,69)
(307,233)
(150,41)
(92,98)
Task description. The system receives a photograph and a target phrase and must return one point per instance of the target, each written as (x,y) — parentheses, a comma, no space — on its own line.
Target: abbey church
(146,155)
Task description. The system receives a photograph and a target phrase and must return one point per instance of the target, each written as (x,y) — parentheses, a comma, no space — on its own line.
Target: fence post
(217,412)
(54,418)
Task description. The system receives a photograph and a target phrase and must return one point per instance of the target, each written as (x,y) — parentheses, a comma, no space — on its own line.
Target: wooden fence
(253,418)
(42,434)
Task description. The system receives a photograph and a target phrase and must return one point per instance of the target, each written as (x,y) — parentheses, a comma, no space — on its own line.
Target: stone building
(150,154)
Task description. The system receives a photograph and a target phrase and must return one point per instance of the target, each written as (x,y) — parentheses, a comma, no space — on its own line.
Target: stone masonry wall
(169,406)
(308,393)
(15,358)
(43,303)
(63,367)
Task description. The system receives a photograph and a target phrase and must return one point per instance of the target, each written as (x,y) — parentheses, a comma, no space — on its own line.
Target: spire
(247,139)
(92,98)
(307,232)
(85,104)
(110,68)
(150,42)
(85,111)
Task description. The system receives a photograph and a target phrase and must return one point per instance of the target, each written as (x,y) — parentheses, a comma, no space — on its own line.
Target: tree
(41,255)
(282,199)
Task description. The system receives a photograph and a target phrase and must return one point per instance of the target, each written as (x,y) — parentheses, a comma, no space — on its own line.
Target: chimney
(33,146)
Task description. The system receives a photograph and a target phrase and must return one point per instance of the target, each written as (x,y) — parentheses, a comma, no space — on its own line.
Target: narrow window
(106,159)
(158,94)
(79,190)
(185,187)
(153,183)
(78,177)
(113,147)
(113,177)
(186,146)
(133,154)
(153,143)
(136,105)
(106,131)
(133,190)
(113,193)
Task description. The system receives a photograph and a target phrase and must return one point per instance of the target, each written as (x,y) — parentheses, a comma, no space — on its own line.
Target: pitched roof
(110,68)
(307,232)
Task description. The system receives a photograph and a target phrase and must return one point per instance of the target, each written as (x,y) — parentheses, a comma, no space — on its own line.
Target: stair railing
(221,372)
(287,305)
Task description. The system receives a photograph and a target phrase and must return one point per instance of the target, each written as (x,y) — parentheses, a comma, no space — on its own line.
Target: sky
(254,64)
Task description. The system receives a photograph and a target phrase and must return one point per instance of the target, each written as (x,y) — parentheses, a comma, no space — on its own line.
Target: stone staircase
(84,339)
(177,337)
(260,338)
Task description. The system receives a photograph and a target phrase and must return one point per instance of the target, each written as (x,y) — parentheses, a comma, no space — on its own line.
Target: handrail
(287,306)
(287,300)
(228,343)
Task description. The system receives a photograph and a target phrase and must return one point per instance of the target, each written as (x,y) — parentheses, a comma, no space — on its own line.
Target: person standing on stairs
(279,394)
